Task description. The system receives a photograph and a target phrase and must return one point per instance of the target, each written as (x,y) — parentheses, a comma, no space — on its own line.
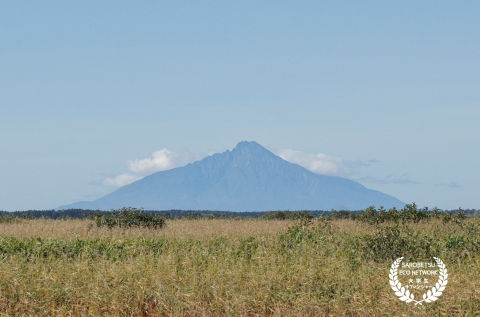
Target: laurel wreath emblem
(432,294)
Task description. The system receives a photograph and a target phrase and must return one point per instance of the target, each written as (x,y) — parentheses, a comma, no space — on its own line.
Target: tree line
(192,214)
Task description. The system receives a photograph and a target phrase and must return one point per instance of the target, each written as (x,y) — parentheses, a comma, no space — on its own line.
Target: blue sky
(385,93)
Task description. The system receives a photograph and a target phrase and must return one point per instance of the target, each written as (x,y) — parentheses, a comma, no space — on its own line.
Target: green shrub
(11,219)
(341,214)
(129,217)
(7,219)
(287,215)
(410,213)
(392,242)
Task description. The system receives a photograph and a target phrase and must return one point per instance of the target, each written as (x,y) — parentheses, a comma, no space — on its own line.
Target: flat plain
(231,267)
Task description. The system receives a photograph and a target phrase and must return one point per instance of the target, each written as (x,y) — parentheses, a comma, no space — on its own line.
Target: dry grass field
(223,267)
(177,229)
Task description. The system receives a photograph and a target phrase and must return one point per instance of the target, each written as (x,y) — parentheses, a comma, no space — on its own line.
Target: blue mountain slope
(248,178)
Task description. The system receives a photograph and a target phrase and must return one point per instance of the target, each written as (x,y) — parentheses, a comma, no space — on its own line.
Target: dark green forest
(194,214)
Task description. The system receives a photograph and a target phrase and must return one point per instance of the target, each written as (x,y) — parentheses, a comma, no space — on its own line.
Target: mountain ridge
(247,178)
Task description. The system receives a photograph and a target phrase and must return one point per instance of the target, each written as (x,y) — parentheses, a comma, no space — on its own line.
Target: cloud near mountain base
(160,160)
(318,163)
(121,180)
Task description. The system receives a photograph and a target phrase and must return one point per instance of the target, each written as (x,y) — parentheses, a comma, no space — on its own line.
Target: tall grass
(251,268)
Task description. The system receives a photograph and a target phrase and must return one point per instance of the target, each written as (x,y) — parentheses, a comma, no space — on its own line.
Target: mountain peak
(249,146)
(252,148)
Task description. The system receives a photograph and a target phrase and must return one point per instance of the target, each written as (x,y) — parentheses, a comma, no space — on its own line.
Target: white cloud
(335,166)
(121,180)
(317,163)
(161,160)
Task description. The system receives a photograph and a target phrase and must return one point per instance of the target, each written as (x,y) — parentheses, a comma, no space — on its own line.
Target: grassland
(224,267)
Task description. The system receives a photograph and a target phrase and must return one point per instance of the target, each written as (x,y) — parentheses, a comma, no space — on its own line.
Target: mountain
(247,178)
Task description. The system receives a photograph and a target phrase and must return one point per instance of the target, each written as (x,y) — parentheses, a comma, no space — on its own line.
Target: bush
(391,242)
(284,215)
(129,217)
(12,219)
(7,219)
(410,213)
(342,214)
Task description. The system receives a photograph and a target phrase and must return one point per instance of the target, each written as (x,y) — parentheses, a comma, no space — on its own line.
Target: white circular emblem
(405,295)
